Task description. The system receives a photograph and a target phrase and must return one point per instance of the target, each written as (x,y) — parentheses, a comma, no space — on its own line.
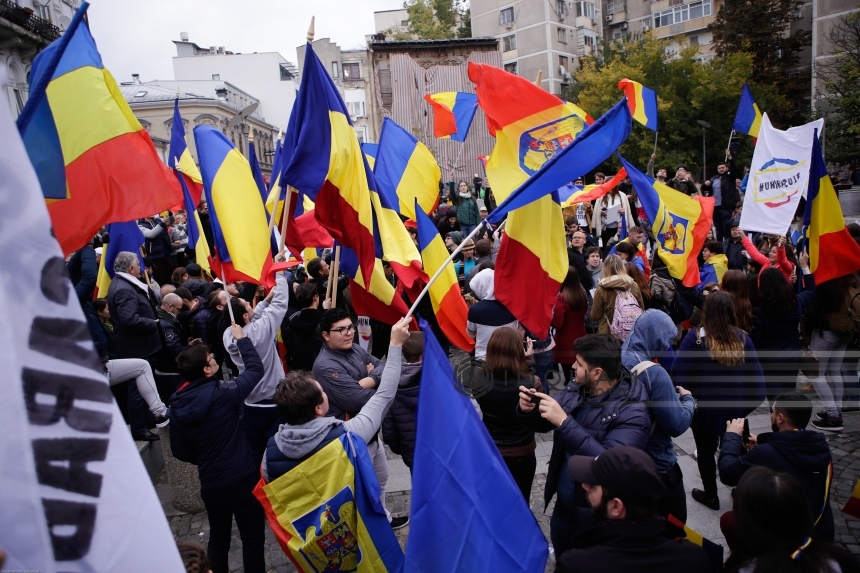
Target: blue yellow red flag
(713,270)
(123,237)
(642,102)
(179,158)
(680,223)
(461,486)
(453,113)
(572,194)
(326,163)
(826,226)
(194,229)
(393,241)
(236,214)
(448,304)
(86,145)
(370,150)
(378,300)
(326,513)
(748,117)
(257,172)
(405,170)
(713,550)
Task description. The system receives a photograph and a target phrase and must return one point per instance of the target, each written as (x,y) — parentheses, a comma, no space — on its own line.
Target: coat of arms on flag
(539,145)
(672,232)
(327,530)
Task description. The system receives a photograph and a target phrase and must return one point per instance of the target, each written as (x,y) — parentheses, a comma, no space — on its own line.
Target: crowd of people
(254,383)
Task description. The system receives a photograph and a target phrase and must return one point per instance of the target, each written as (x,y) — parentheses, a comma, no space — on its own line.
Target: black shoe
(163,420)
(828,424)
(398,522)
(707,500)
(822,415)
(146,437)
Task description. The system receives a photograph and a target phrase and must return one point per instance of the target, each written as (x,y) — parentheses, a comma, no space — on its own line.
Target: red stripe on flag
(700,233)
(341,220)
(281,535)
(365,304)
(444,120)
(311,232)
(841,256)
(452,316)
(409,274)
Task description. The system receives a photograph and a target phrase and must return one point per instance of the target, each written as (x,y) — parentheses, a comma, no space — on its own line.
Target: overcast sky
(135,37)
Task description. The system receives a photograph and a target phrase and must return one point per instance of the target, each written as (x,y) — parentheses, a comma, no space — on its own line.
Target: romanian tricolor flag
(453,113)
(370,150)
(571,194)
(448,304)
(326,513)
(714,551)
(327,165)
(379,300)
(257,172)
(826,226)
(393,241)
(680,223)
(748,116)
(196,239)
(180,159)
(86,145)
(642,102)
(713,270)
(405,170)
(237,216)
(123,237)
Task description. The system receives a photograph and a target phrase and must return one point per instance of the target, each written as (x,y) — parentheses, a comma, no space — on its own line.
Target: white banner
(75,495)
(364,332)
(779,176)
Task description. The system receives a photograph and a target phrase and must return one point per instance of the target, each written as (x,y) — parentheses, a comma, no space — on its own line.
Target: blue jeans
(829,348)
(466,229)
(543,364)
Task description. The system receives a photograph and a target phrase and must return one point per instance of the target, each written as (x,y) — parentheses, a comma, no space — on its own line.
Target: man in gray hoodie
(304,405)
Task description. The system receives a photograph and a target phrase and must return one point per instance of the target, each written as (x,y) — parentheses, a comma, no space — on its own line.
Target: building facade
(351,72)
(267,75)
(546,36)
(391,22)
(819,17)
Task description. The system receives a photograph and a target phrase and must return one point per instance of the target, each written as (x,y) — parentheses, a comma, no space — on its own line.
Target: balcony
(24,18)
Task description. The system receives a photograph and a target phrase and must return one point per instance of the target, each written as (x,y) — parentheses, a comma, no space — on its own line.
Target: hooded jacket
(603,308)
(650,338)
(197,319)
(801,453)
(302,338)
(205,429)
(398,427)
(488,314)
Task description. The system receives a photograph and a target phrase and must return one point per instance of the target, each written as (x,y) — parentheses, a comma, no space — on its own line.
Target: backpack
(846,319)
(626,312)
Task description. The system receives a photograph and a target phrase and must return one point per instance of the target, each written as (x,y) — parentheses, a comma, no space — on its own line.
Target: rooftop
(487,41)
(150,93)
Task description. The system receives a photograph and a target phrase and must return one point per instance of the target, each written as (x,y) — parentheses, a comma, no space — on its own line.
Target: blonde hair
(613,265)
(725,341)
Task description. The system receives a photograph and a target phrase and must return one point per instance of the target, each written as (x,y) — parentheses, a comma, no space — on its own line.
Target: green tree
(839,90)
(758,27)
(439,19)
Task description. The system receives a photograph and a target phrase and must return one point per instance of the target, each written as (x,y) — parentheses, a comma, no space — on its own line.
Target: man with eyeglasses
(349,376)
(164,365)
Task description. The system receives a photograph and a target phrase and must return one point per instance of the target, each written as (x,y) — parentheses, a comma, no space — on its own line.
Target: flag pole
(656,133)
(330,271)
(145,274)
(730,144)
(227,293)
(456,161)
(444,265)
(335,272)
(285,218)
(273,215)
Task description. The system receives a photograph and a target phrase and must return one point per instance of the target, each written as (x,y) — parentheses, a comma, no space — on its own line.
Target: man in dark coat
(601,408)
(159,248)
(723,188)
(623,486)
(790,449)
(206,431)
(398,426)
(299,329)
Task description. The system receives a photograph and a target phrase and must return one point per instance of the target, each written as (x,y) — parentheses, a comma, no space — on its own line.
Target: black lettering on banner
(80,516)
(60,338)
(66,389)
(63,463)
(54,283)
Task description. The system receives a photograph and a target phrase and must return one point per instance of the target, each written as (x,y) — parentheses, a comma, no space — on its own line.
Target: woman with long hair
(718,364)
(506,367)
(615,280)
(611,208)
(467,208)
(635,273)
(735,283)
(568,319)
(774,529)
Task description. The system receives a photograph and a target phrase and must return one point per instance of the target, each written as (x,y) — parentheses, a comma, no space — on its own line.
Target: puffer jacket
(197,319)
(603,308)
(398,426)
(132,312)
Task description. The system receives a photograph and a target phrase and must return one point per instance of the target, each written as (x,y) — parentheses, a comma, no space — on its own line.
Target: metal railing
(29,21)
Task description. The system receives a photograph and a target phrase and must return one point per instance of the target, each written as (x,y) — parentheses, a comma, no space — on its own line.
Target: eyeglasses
(344,330)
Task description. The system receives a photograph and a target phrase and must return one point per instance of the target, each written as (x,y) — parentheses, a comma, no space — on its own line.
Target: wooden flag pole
(656,133)
(285,218)
(145,274)
(330,272)
(539,78)
(227,293)
(273,214)
(335,272)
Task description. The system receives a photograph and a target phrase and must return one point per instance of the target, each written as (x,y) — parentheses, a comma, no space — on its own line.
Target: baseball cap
(684,167)
(627,473)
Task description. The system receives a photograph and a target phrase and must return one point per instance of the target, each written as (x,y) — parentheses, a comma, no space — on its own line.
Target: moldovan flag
(76,495)
(236,213)
(713,550)
(453,113)
(378,300)
(778,177)
(532,127)
(467,513)
(642,102)
(326,513)
(680,223)
(405,170)
(180,159)
(448,304)
(833,252)
(326,162)
(748,117)
(87,147)
(194,229)
(123,237)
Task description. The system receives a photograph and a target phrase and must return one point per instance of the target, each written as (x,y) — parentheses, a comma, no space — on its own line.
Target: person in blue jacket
(671,407)
(601,408)
(206,431)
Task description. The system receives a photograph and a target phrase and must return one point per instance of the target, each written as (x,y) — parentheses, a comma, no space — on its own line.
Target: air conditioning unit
(646,27)
(608,17)
(624,26)
(567,78)
(593,22)
(509,25)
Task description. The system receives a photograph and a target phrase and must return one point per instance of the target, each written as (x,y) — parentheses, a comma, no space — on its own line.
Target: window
(140,93)
(16,101)
(562,35)
(561,8)
(361,132)
(563,62)
(616,6)
(404,22)
(385,88)
(585,10)
(45,12)
(334,70)
(351,71)
(694,40)
(589,41)
(683,13)
(512,67)
(617,34)
(355,109)
(506,16)
(509,43)
(216,77)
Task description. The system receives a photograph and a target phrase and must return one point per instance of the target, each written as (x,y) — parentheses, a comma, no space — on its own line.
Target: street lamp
(705,126)
(246,129)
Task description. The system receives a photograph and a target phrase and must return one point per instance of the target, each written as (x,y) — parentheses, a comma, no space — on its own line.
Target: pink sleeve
(754,253)
(783,263)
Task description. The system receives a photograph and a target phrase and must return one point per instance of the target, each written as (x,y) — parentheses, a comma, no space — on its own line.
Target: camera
(100,239)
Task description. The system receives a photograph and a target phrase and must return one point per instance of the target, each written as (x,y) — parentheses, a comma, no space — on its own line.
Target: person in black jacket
(623,485)
(398,426)
(791,449)
(159,248)
(299,330)
(206,431)
(734,248)
(724,190)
